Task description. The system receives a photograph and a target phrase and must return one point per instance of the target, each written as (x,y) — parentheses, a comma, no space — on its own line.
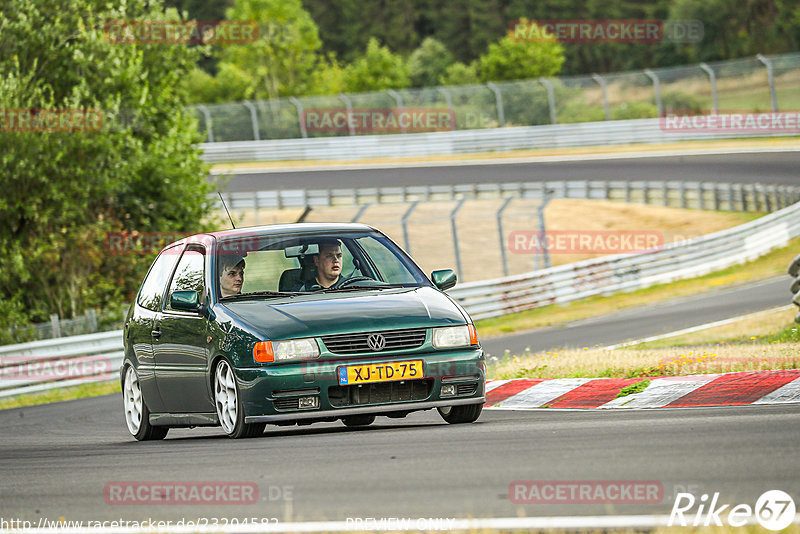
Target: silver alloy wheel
(225,396)
(132,397)
(445,410)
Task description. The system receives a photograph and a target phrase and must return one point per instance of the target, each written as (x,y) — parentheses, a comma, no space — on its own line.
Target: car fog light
(448,390)
(308,402)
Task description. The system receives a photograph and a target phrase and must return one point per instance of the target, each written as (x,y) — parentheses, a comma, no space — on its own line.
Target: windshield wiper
(256,294)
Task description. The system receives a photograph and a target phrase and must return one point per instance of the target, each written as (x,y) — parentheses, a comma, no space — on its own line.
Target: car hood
(342,313)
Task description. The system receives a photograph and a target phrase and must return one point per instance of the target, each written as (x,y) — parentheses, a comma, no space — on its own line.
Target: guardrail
(680,194)
(42,365)
(794,272)
(619,132)
(51,363)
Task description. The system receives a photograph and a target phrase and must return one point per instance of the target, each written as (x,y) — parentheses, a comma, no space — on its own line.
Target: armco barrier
(42,365)
(488,298)
(620,132)
(680,194)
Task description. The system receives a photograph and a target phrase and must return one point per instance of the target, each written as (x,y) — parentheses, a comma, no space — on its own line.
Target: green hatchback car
(295,324)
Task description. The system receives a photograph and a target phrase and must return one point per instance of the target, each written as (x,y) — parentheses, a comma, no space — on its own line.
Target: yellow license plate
(379,372)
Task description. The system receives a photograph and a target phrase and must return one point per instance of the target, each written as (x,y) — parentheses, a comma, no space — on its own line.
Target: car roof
(278,229)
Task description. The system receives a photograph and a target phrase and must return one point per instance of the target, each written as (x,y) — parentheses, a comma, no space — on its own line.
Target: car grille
(381,392)
(357,343)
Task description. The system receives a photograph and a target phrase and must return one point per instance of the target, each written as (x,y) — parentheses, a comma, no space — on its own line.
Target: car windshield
(263,265)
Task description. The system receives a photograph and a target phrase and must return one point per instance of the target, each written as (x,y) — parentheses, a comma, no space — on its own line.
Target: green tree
(511,59)
(63,190)
(428,63)
(376,70)
(459,74)
(284,58)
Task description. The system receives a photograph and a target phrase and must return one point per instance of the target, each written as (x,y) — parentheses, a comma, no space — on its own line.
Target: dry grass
(755,327)
(430,237)
(630,363)
(758,342)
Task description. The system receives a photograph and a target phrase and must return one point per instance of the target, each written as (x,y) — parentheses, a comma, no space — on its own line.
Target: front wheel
(229,406)
(467,413)
(137,416)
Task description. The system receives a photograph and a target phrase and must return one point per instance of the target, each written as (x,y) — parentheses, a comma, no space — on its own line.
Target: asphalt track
(766,168)
(56,461)
(650,320)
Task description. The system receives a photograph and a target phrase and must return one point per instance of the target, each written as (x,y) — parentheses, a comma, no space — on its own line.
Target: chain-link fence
(762,83)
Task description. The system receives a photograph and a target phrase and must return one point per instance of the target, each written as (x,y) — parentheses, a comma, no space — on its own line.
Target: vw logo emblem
(376,342)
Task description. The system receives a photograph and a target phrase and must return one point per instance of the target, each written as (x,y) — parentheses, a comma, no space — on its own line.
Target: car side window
(189,276)
(152,291)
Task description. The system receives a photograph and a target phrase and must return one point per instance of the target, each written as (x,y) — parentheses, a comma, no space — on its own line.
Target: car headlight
(455,336)
(290,349)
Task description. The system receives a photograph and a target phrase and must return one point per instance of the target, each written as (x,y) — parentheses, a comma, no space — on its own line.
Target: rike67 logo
(774,510)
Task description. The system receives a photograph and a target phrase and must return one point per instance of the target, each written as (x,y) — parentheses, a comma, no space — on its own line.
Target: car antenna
(226,209)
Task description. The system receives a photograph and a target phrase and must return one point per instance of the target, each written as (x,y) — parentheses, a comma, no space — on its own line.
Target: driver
(328,262)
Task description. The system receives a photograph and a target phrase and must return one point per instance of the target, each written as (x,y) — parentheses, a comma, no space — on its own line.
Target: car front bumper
(268,393)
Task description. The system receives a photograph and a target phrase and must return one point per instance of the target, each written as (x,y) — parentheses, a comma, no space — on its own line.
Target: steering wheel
(355,279)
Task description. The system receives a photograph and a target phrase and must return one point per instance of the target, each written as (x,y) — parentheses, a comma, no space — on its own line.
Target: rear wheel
(358,420)
(137,416)
(467,413)
(229,406)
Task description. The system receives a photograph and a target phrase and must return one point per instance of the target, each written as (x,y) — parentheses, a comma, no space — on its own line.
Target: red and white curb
(729,389)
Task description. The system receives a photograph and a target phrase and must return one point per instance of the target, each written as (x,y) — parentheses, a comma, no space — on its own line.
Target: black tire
(137,415)
(358,420)
(466,413)
(228,404)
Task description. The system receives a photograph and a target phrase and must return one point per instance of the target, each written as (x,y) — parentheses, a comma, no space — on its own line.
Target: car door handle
(156,333)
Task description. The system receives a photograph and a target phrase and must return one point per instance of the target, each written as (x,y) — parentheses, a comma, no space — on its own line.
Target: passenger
(231,275)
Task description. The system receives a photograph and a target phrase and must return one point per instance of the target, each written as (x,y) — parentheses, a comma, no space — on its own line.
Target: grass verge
(58,395)
(771,264)
(757,343)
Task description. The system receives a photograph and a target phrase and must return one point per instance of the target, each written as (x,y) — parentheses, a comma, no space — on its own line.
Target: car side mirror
(444,278)
(185,301)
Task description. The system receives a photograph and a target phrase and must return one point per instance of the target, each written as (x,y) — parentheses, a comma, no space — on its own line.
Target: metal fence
(57,327)
(794,272)
(760,83)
